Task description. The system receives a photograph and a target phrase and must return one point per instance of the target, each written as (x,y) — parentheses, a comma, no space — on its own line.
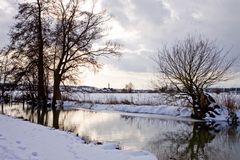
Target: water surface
(164,136)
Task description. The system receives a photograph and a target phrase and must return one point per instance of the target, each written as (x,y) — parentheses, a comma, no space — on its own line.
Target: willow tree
(75,33)
(193,65)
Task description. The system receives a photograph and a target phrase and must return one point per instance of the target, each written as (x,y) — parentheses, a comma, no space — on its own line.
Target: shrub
(230,102)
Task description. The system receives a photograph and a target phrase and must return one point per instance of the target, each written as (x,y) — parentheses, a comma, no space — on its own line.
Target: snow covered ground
(22,140)
(159,109)
(127,98)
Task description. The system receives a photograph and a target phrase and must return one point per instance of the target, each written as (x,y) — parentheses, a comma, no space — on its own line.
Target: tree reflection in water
(44,117)
(195,144)
(2,111)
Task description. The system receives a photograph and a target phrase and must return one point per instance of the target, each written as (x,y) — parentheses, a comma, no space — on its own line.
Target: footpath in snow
(22,140)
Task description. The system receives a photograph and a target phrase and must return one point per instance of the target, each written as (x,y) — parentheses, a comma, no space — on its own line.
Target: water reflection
(203,142)
(2,111)
(184,144)
(166,138)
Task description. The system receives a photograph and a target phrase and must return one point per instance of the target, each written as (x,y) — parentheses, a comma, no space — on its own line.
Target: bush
(230,102)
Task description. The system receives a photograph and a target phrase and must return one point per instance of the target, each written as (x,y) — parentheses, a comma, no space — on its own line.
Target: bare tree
(191,66)
(74,35)
(42,100)
(129,87)
(29,40)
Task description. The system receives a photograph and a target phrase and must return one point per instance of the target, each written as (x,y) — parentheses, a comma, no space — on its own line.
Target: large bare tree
(29,40)
(75,33)
(192,65)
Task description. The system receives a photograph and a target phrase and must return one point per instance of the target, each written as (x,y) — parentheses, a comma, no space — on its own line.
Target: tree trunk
(42,101)
(39,117)
(196,108)
(200,105)
(56,114)
(56,97)
(2,98)
(56,92)
(203,103)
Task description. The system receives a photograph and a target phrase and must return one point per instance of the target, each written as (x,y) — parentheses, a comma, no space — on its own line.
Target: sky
(142,27)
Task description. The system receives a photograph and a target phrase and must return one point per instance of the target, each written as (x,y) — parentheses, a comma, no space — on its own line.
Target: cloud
(153,12)
(141,61)
(7,12)
(148,25)
(158,22)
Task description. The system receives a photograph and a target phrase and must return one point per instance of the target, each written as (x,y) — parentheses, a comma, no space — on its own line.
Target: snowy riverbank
(168,110)
(22,140)
(149,103)
(148,109)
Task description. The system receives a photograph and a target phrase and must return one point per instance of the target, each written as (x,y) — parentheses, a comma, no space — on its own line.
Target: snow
(223,116)
(150,103)
(22,140)
(176,111)
(127,98)
(159,109)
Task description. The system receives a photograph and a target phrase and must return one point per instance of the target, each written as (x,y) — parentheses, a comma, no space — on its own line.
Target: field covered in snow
(127,98)
(144,98)
(152,99)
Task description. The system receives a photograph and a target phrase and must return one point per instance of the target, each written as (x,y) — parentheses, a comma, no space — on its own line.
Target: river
(164,136)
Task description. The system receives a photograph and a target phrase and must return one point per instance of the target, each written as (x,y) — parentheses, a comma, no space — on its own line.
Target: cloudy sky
(144,26)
